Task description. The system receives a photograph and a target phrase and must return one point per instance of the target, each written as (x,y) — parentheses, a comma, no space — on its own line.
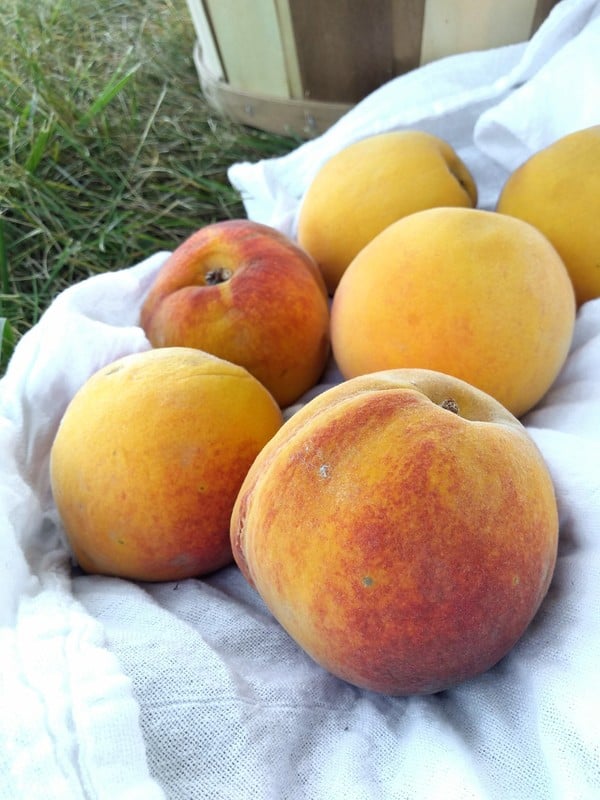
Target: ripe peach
(372,183)
(246,293)
(558,190)
(475,294)
(402,527)
(148,460)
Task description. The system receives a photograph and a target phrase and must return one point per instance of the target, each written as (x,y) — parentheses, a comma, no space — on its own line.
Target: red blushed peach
(246,293)
(402,527)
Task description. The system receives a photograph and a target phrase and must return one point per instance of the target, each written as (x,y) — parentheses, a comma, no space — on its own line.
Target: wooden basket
(295,66)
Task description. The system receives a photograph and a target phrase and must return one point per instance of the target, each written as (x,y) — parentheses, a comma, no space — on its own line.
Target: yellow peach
(149,457)
(558,190)
(402,527)
(475,294)
(372,183)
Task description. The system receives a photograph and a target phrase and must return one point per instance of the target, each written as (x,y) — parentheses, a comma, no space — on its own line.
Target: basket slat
(460,26)
(250,45)
(344,48)
(206,38)
(288,40)
(407,28)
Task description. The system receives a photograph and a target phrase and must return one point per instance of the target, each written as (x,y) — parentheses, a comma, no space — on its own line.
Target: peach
(372,183)
(149,457)
(475,294)
(246,293)
(558,190)
(402,527)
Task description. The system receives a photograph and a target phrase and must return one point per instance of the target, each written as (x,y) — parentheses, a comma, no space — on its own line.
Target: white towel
(113,689)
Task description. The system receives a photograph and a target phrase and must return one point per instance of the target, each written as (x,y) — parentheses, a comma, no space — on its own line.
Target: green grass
(108,151)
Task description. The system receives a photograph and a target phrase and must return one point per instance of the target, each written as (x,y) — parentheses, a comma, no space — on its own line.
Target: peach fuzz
(371,183)
(402,527)
(475,294)
(246,293)
(149,457)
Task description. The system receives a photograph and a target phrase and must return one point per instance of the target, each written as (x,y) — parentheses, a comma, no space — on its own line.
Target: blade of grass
(4,276)
(38,147)
(7,343)
(149,123)
(110,91)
